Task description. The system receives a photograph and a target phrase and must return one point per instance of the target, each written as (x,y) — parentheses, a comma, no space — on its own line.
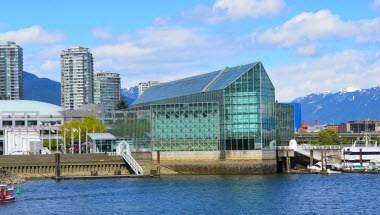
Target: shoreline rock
(9,178)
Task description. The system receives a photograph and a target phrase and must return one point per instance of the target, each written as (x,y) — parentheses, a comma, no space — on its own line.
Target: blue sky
(306,46)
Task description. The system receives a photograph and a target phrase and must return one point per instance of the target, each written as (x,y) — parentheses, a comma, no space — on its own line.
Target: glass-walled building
(230,109)
(284,123)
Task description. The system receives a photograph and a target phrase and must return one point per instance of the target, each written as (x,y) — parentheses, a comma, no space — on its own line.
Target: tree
(328,137)
(53,144)
(121,105)
(346,140)
(90,123)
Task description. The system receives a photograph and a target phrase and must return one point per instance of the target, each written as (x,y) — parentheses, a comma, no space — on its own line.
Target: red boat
(7,193)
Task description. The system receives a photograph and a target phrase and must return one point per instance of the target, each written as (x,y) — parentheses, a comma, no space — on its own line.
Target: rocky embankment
(9,178)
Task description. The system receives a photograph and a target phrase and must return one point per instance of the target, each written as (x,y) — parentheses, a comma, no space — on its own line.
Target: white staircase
(136,168)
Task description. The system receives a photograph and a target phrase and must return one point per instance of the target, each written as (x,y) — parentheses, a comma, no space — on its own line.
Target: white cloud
(307,50)
(124,50)
(310,28)
(367,30)
(31,35)
(238,9)
(331,72)
(227,10)
(376,4)
(305,28)
(102,33)
(50,65)
(162,53)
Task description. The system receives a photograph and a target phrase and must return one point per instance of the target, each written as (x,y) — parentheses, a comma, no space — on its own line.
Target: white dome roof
(28,105)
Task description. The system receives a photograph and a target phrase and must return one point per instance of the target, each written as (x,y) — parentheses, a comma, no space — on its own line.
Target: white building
(145,85)
(107,90)
(24,124)
(11,71)
(77,78)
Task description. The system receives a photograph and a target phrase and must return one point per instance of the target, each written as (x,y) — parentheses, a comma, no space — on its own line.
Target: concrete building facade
(107,90)
(11,71)
(145,85)
(77,78)
(25,124)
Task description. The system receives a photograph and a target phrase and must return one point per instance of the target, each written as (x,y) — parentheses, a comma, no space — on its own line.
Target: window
(7,123)
(20,123)
(32,122)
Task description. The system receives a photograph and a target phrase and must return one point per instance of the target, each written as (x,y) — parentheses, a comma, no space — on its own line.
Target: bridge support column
(311,157)
(287,161)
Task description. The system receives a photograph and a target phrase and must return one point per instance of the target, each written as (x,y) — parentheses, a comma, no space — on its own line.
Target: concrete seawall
(164,163)
(36,166)
(216,162)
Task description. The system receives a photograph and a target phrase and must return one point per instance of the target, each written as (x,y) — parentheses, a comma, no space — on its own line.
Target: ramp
(136,168)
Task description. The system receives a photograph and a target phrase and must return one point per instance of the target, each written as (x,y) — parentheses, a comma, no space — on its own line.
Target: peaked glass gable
(249,117)
(212,81)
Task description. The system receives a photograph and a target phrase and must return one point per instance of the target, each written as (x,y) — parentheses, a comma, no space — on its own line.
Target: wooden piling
(287,161)
(57,165)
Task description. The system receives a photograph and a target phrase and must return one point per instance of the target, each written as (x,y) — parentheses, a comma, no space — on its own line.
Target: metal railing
(312,147)
(136,168)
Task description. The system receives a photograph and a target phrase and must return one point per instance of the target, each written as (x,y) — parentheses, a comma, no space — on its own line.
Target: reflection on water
(274,194)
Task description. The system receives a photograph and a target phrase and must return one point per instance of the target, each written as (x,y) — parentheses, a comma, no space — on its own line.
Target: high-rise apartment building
(77,78)
(107,90)
(11,71)
(145,85)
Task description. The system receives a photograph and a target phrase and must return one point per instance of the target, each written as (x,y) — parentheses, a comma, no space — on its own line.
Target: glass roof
(196,84)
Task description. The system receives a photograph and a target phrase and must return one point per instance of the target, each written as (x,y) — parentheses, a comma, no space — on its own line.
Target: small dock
(290,156)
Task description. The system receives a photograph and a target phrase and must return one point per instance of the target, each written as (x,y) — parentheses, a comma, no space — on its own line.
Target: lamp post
(64,140)
(86,140)
(72,141)
(79,142)
(57,139)
(49,138)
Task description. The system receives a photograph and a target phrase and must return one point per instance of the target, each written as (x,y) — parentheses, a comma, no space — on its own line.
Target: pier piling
(57,165)
(287,161)
(311,157)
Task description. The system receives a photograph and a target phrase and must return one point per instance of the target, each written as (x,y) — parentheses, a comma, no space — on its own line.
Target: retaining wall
(71,165)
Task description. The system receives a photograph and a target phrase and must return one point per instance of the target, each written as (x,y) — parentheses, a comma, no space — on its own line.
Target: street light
(79,142)
(72,141)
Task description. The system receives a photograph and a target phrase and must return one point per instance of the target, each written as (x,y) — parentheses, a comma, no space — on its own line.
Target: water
(274,194)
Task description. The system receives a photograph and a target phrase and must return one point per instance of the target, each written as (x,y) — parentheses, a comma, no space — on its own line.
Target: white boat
(361,153)
(317,168)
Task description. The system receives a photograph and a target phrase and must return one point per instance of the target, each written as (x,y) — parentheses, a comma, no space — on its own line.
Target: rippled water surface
(274,194)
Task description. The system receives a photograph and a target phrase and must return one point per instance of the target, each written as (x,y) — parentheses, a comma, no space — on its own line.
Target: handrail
(136,168)
(309,147)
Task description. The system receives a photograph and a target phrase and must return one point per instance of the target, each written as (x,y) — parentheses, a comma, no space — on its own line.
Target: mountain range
(41,89)
(47,90)
(342,106)
(337,107)
(130,95)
